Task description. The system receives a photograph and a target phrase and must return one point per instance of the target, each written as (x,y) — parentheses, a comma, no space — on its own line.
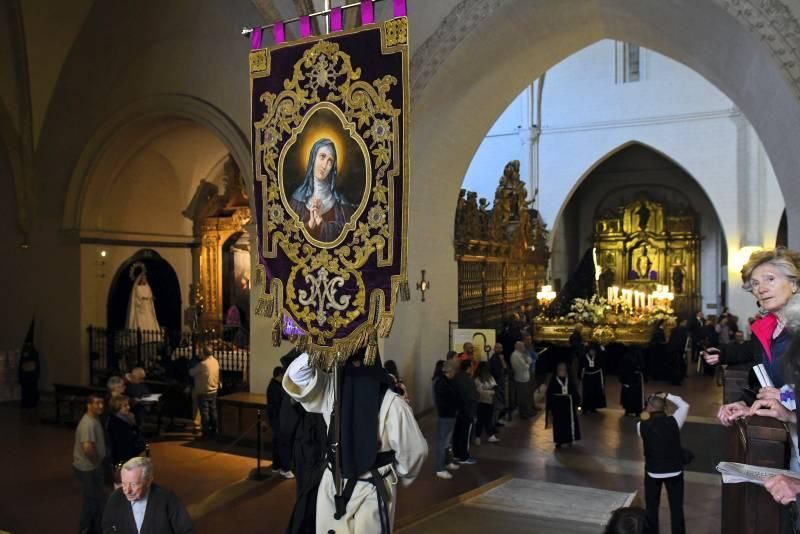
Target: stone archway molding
(771,20)
(154,106)
(611,153)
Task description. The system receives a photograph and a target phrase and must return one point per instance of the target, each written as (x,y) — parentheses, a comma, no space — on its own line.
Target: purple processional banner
(330,160)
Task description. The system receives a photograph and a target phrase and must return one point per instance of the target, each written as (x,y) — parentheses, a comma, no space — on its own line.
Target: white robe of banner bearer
(398,431)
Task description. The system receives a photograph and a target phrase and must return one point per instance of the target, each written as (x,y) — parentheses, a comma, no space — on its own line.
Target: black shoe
(499,424)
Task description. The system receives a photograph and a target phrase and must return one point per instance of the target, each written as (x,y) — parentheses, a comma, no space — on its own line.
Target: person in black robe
(655,365)
(631,378)
(563,401)
(676,349)
(307,435)
(281,447)
(28,374)
(593,378)
(577,348)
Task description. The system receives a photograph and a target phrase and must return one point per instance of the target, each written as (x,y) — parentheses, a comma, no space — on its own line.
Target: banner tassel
(405,292)
(276,332)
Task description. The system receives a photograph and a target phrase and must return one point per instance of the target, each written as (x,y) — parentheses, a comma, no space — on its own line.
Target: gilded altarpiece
(502,253)
(643,244)
(215,233)
(217,218)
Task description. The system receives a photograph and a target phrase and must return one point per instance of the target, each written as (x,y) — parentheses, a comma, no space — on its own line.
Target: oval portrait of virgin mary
(324,174)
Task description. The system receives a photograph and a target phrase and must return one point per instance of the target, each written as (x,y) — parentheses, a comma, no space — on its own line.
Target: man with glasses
(88,455)
(141,507)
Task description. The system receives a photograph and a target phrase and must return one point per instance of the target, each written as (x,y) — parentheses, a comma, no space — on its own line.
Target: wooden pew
(762,441)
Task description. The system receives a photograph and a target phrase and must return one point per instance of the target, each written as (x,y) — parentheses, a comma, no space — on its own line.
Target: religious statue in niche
(677,280)
(643,216)
(321,199)
(642,264)
(141,308)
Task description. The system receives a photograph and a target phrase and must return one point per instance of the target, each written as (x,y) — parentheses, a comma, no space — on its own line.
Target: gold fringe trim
(405,292)
(265,306)
(270,303)
(261,275)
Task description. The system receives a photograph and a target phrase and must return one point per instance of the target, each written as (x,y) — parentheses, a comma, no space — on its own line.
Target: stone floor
(39,493)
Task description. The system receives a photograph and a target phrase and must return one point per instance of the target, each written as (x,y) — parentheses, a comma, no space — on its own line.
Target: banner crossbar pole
(248,31)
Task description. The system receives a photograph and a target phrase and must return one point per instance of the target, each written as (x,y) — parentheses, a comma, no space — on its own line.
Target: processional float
(332,108)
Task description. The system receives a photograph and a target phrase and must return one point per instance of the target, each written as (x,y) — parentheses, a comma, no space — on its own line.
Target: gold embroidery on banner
(395,32)
(369,116)
(259,62)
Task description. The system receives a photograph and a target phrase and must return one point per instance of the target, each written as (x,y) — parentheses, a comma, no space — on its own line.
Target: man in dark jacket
(281,447)
(663,457)
(141,507)
(447,405)
(468,397)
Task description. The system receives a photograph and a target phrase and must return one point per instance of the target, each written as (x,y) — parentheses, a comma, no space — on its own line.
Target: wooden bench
(763,441)
(238,414)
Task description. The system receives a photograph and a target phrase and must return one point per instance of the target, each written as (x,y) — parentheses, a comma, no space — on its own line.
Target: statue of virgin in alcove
(141,307)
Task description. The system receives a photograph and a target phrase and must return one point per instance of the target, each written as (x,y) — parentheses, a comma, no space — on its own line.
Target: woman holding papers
(772,277)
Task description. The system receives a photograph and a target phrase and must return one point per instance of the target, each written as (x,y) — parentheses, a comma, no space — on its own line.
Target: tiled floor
(39,493)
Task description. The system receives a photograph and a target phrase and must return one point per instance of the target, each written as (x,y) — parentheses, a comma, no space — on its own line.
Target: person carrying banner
(381,443)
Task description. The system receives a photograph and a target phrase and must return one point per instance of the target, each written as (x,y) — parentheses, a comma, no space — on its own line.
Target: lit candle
(616,293)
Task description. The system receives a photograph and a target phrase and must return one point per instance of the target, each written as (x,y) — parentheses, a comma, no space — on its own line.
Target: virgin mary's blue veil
(306,189)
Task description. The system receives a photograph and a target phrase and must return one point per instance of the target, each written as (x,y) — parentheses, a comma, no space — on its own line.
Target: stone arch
(684,166)
(472,56)
(152,108)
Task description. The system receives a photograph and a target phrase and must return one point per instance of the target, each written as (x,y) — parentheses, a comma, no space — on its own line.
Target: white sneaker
(493,439)
(444,474)
(287,474)
(452,466)
(477,441)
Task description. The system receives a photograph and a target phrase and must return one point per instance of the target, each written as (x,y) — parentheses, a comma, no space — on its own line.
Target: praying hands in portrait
(315,217)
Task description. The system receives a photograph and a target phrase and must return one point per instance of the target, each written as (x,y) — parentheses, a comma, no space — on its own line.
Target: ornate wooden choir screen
(643,244)
(502,252)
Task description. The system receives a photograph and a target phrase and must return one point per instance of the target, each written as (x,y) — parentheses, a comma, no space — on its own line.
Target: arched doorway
(470,56)
(637,171)
(163,281)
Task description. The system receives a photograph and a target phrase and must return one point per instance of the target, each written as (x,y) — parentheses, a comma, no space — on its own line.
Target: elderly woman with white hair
(772,277)
(140,506)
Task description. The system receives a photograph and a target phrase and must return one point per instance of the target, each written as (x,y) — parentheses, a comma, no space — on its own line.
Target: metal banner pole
(337,428)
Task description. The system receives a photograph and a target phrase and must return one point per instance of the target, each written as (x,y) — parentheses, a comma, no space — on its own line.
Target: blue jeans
(444,435)
(207,403)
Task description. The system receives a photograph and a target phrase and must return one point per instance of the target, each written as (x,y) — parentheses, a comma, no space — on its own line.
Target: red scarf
(763,329)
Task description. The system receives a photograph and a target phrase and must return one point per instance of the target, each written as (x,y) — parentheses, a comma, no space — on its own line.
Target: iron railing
(113,352)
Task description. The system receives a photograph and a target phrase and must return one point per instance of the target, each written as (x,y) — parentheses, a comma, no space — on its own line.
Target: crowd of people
(474,398)
(110,437)
(118,445)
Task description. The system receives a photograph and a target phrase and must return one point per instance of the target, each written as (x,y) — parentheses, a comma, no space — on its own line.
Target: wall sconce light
(423,285)
(103,253)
